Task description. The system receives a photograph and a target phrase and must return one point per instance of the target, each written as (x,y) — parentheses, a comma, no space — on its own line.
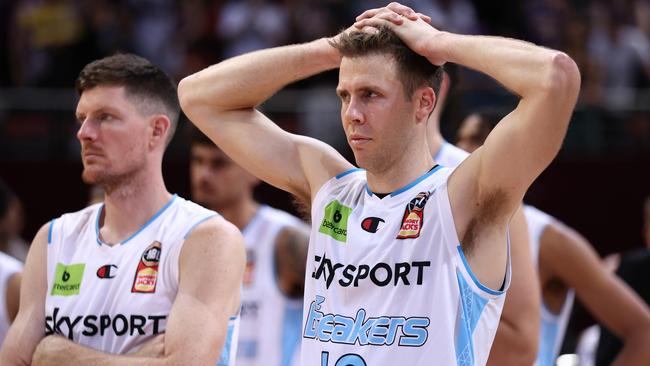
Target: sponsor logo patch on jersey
(107,271)
(335,221)
(146,275)
(67,279)
(413,217)
(371,224)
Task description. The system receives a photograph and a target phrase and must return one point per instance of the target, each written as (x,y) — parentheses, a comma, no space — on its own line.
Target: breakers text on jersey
(375,331)
(119,325)
(381,274)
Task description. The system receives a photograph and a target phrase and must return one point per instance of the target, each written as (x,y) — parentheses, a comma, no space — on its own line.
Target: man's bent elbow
(185,96)
(563,81)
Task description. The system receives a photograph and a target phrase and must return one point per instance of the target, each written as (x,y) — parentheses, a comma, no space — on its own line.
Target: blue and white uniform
(387,281)
(552,326)
(9,266)
(115,298)
(270,323)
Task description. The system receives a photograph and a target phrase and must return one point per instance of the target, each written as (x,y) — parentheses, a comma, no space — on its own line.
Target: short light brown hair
(149,87)
(414,70)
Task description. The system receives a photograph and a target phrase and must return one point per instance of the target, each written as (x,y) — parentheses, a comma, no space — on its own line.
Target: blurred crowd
(45,42)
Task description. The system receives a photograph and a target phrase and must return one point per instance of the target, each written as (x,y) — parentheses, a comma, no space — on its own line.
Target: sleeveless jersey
(115,298)
(270,322)
(552,326)
(8,267)
(387,281)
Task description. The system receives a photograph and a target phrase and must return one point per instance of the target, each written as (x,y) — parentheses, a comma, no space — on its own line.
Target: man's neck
(412,164)
(241,213)
(434,137)
(130,206)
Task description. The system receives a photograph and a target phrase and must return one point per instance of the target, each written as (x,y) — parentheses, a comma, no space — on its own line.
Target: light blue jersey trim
(442,147)
(197,224)
(548,334)
(341,175)
(476,281)
(152,219)
(49,232)
(412,184)
(472,306)
(224,360)
(291,333)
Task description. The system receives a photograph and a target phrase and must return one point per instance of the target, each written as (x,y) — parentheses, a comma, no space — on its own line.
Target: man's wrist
(324,51)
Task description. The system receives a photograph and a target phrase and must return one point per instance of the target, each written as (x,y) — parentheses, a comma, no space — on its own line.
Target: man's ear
(426,100)
(159,129)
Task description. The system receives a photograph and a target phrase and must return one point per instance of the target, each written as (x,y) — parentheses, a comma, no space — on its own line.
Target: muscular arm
(568,256)
(517,337)
(28,328)
(221,101)
(291,247)
(211,269)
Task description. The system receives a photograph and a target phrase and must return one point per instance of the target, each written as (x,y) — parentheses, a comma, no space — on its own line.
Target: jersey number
(349,359)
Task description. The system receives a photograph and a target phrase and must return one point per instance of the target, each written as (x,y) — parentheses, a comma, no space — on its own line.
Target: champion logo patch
(107,271)
(146,275)
(413,218)
(371,224)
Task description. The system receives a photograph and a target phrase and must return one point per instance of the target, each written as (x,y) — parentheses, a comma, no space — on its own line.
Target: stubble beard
(111,181)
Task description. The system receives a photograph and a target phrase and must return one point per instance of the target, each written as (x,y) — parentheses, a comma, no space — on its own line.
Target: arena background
(597,183)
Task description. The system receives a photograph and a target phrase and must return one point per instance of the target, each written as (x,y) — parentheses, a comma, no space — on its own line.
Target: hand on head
(412,27)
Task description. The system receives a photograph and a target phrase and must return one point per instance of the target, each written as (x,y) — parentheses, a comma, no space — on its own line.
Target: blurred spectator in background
(155,25)
(50,43)
(622,64)
(10,278)
(276,256)
(11,224)
(634,269)
(248,25)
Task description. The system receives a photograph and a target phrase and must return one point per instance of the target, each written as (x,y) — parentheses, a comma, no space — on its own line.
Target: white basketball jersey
(8,267)
(270,322)
(552,326)
(387,281)
(449,155)
(115,298)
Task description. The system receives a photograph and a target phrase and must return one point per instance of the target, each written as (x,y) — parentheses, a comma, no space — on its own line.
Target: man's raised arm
(487,188)
(221,101)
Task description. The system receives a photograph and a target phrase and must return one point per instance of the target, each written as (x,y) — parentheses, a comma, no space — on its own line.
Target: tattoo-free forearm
(248,80)
(520,66)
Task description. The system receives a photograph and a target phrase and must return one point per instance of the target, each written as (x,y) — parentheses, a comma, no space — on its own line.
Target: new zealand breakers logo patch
(146,275)
(362,329)
(413,217)
(67,279)
(335,221)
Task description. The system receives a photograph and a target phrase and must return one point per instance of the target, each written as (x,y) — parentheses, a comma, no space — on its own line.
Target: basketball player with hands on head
(408,262)
(104,284)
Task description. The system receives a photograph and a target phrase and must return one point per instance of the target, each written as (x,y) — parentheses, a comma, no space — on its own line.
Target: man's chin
(89,177)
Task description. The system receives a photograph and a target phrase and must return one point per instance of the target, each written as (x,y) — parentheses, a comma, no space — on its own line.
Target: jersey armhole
(456,254)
